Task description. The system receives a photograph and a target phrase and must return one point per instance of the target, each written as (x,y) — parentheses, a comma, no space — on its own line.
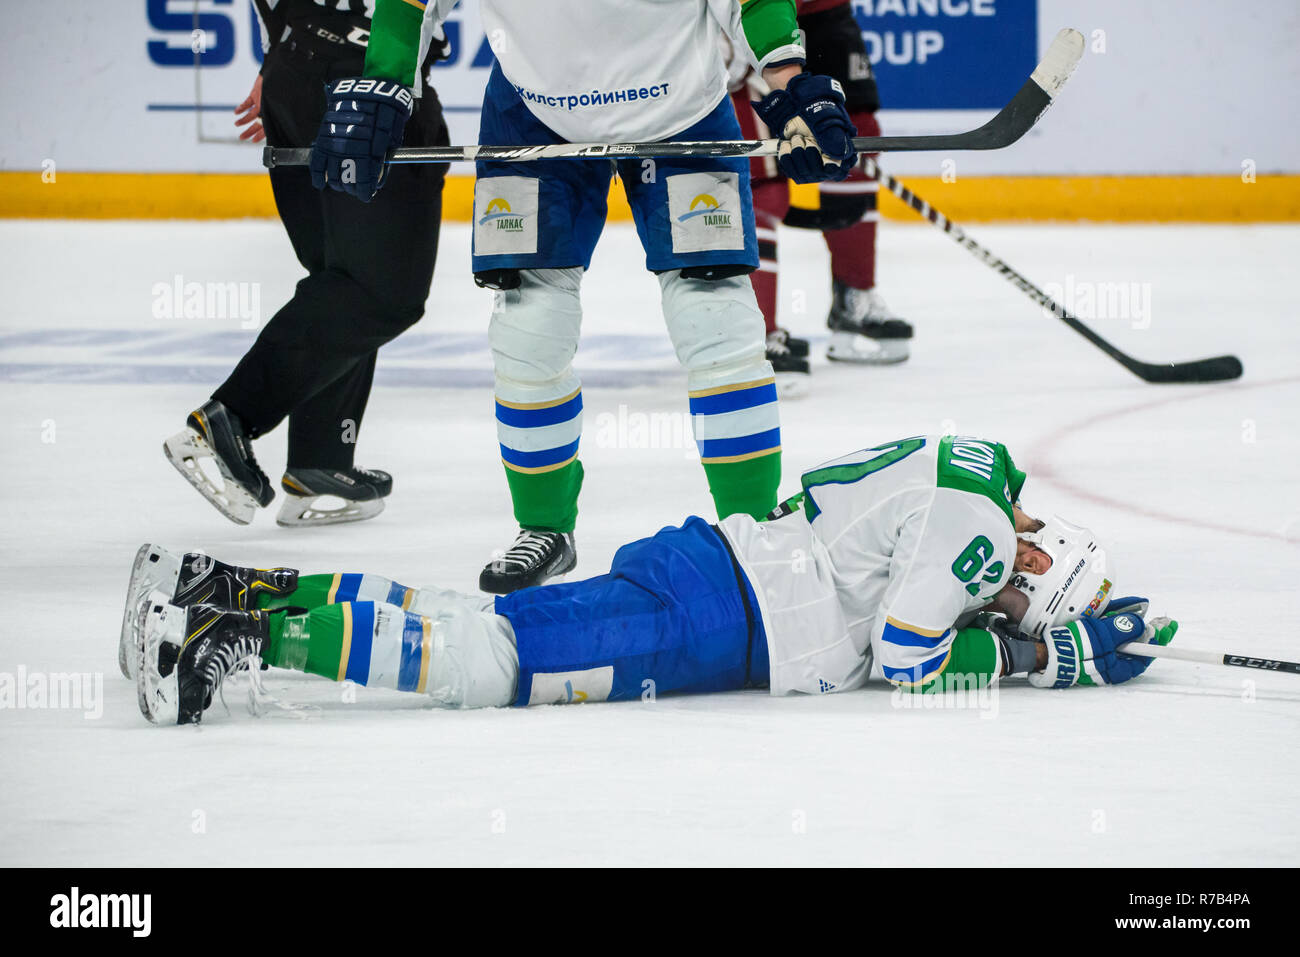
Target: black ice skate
(331,496)
(214,432)
(191,579)
(792,372)
(799,348)
(864,330)
(188,652)
(531,560)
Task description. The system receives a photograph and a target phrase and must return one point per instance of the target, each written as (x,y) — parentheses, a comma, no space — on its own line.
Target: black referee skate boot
(192,579)
(331,496)
(864,329)
(213,431)
(534,558)
(188,652)
(792,371)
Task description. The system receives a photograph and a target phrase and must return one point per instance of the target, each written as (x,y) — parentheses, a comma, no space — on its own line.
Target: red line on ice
(1042,469)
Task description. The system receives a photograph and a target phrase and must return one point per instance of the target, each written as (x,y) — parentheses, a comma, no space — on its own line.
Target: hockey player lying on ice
(910,555)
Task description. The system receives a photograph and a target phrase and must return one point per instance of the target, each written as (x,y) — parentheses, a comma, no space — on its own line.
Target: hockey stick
(1216,369)
(1209,657)
(1011,123)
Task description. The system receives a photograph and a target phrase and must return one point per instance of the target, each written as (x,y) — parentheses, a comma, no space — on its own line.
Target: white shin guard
(717,330)
(715,325)
(534,329)
(474,662)
(534,334)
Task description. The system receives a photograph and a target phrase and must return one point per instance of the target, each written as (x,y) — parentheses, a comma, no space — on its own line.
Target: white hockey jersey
(883,555)
(623,70)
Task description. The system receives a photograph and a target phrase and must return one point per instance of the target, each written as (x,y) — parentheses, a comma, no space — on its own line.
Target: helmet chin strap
(1033,538)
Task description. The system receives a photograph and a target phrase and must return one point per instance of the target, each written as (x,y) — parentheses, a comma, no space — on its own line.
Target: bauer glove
(1083,652)
(811,119)
(364,119)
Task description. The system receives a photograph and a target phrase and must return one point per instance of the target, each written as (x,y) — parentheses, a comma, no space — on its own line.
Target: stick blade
(1058,63)
(1015,119)
(1216,369)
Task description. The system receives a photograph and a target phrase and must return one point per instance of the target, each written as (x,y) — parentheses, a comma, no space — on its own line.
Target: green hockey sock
(312,642)
(547,501)
(375,644)
(747,487)
(314,590)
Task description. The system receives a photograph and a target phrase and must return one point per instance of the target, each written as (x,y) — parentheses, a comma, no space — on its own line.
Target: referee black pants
(369,266)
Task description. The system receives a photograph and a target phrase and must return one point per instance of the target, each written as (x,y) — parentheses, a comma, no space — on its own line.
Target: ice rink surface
(1193,487)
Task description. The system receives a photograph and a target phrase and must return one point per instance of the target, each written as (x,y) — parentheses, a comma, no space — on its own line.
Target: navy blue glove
(813,124)
(1083,652)
(1133,605)
(1105,636)
(364,119)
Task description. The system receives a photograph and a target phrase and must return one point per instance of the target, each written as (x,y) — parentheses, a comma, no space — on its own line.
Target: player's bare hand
(250,112)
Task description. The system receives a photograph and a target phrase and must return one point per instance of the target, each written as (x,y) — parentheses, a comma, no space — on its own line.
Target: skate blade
(501,588)
(184,450)
(128,641)
(849,347)
(300,511)
(142,583)
(559,579)
(158,696)
(562,574)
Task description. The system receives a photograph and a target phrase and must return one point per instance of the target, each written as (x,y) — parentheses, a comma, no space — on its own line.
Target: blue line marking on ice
(190,108)
(175,356)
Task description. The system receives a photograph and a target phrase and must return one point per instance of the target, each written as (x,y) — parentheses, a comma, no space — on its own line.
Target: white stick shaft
(1168,651)
(1210,657)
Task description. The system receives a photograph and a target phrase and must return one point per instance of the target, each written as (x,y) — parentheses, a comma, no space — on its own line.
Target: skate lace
(776,343)
(866,305)
(250,460)
(529,548)
(242,655)
(261,703)
(226,660)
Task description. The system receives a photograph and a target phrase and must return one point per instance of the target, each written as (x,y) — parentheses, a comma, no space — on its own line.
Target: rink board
(1206,199)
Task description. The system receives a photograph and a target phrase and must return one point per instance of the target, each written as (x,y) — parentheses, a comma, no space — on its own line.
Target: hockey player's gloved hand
(439,45)
(997,623)
(364,119)
(1083,652)
(1158,631)
(1132,606)
(813,123)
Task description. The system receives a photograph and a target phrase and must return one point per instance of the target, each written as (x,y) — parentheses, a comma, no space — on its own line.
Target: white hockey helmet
(1078,585)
